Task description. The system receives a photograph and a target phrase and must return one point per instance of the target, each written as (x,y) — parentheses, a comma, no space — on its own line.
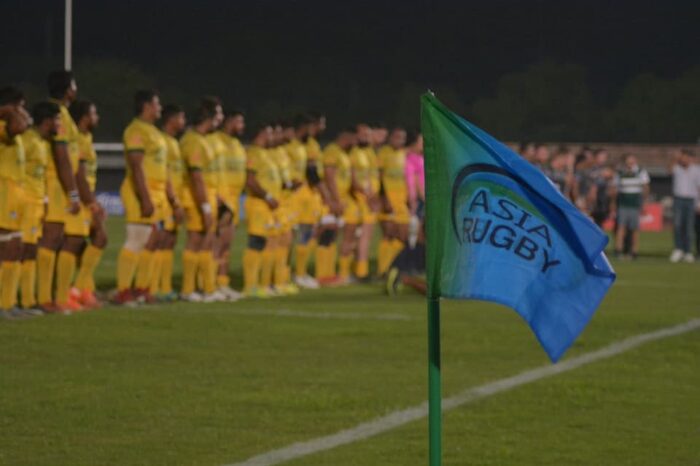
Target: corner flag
(499,230)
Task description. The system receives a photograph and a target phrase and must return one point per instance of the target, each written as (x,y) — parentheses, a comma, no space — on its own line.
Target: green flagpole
(434,391)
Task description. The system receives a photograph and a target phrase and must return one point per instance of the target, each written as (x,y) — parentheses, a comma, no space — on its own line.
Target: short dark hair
(315,116)
(234,113)
(141,98)
(257,129)
(11,95)
(206,108)
(79,109)
(378,125)
(59,82)
(524,145)
(44,111)
(348,129)
(169,111)
(301,119)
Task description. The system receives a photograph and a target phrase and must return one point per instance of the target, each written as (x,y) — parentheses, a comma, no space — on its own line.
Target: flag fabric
(498,230)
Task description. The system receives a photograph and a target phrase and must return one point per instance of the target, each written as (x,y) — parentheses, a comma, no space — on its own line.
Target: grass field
(184,384)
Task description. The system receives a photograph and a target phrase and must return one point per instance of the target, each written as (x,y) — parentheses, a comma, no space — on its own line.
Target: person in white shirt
(686,189)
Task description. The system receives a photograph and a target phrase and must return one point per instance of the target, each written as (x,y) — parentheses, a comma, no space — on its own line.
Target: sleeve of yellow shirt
(134,139)
(193,154)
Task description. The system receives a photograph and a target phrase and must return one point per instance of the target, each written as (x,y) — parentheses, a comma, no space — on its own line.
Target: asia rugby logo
(487,211)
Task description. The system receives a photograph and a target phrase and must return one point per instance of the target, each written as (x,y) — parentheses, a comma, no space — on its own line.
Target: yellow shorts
(369,217)
(230,199)
(132,206)
(78,224)
(168,218)
(57,207)
(399,204)
(308,205)
(32,220)
(194,220)
(11,197)
(259,217)
(352,213)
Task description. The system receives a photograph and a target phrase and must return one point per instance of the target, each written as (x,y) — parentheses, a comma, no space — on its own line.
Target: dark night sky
(254,50)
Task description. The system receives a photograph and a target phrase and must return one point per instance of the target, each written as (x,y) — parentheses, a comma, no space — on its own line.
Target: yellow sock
(321,260)
(88,263)
(362,269)
(252,260)
(154,286)
(190,261)
(166,271)
(144,270)
(126,268)
(45,265)
(10,273)
(266,268)
(222,280)
(383,254)
(302,259)
(28,284)
(344,266)
(281,255)
(396,247)
(65,269)
(333,260)
(206,268)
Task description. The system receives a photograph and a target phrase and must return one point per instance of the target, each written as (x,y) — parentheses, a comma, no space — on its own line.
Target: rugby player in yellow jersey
(263,186)
(391,159)
(12,167)
(63,201)
(37,149)
(85,115)
(306,201)
(144,194)
(172,124)
(231,185)
(338,178)
(200,200)
(365,175)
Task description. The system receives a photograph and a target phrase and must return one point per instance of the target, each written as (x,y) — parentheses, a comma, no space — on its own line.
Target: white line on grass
(322,315)
(400,418)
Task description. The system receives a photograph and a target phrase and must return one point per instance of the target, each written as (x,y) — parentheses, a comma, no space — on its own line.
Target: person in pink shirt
(415,175)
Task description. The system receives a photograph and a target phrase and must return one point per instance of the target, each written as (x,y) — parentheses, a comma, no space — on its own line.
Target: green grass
(212,384)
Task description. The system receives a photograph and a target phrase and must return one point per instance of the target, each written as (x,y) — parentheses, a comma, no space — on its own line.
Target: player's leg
(167,263)
(66,264)
(90,259)
(347,249)
(10,271)
(48,246)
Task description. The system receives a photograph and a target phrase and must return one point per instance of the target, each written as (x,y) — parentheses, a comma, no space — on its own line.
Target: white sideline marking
(399,418)
(322,315)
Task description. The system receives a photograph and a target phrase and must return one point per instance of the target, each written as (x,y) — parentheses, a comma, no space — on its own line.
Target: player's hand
(74,207)
(98,212)
(272,203)
(178,215)
(208,221)
(147,208)
(337,209)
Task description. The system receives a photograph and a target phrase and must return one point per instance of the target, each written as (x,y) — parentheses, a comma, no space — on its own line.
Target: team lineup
(189,174)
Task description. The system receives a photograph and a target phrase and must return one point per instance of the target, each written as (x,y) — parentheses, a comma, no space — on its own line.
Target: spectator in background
(562,171)
(541,159)
(686,183)
(583,183)
(599,197)
(527,151)
(632,189)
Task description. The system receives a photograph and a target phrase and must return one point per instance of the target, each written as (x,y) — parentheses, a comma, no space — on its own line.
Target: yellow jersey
(217,145)
(37,154)
(261,162)
(233,163)
(374,168)
(360,162)
(176,167)
(334,156)
(297,157)
(392,162)
(198,154)
(88,156)
(67,134)
(12,157)
(144,137)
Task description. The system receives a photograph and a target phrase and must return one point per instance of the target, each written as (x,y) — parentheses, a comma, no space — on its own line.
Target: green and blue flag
(498,230)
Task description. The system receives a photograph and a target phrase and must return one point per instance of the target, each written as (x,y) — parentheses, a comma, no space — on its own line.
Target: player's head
(686,157)
(397,137)
(278,133)
(10,95)
(364,134)
(234,123)
(173,118)
(301,126)
(209,111)
(264,135)
(629,161)
(147,105)
(380,133)
(47,118)
(288,130)
(600,157)
(414,142)
(84,114)
(347,138)
(62,85)
(318,124)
